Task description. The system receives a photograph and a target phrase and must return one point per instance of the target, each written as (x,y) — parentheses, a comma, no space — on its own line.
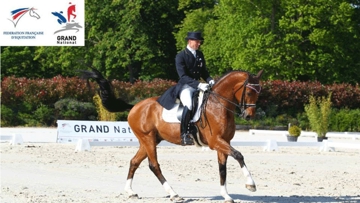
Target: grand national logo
(68,25)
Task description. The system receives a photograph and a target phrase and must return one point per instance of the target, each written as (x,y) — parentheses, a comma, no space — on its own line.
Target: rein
(242,105)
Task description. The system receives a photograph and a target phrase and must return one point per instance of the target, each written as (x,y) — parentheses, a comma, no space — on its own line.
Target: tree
(321,38)
(65,61)
(19,62)
(291,40)
(240,37)
(131,39)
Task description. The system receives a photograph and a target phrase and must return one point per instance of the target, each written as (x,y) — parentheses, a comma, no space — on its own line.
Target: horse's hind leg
(134,164)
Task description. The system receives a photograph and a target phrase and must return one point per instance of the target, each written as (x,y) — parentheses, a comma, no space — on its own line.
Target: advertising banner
(42,23)
(109,131)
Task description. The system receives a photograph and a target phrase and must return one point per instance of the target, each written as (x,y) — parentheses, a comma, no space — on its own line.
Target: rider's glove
(203,86)
(211,83)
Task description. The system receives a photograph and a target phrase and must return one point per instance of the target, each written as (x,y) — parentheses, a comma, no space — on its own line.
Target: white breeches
(186,96)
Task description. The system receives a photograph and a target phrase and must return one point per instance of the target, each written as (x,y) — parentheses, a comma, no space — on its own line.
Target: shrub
(294,130)
(284,97)
(345,120)
(303,121)
(282,100)
(122,116)
(44,116)
(18,114)
(283,119)
(42,91)
(71,109)
(103,114)
(40,116)
(8,117)
(318,111)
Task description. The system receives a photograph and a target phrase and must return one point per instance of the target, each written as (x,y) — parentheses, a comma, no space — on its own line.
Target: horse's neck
(227,86)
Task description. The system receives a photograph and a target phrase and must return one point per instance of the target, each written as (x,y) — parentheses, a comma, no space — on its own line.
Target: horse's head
(245,91)
(32,13)
(247,94)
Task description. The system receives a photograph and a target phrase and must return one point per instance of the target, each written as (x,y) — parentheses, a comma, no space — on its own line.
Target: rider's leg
(186,99)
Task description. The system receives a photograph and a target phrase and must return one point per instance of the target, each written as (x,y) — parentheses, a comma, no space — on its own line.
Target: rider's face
(194,44)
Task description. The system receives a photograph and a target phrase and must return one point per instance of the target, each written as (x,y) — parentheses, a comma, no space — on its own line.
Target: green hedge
(279,97)
(36,102)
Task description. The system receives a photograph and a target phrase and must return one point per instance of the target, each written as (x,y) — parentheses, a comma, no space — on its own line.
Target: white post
(16,139)
(325,147)
(271,145)
(82,145)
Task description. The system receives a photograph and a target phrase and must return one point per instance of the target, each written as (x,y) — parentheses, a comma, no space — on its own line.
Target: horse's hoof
(229,201)
(252,188)
(176,199)
(134,196)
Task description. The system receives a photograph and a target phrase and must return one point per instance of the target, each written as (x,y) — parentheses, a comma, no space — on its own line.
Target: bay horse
(216,126)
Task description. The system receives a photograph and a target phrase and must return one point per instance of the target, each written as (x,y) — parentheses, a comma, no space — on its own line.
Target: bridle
(242,105)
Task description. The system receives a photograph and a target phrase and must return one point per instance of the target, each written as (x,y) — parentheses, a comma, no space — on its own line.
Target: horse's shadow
(279,199)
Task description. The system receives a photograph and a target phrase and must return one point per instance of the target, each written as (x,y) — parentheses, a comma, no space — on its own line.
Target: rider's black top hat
(194,36)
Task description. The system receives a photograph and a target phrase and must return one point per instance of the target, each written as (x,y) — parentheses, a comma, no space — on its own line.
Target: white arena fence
(87,134)
(353,135)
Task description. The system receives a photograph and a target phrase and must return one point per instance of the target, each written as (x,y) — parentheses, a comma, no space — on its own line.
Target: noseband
(242,105)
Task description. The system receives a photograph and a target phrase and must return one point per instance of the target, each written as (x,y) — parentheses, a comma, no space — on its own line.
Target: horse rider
(190,66)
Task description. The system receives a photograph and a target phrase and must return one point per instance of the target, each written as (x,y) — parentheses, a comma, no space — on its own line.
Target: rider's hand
(211,83)
(203,86)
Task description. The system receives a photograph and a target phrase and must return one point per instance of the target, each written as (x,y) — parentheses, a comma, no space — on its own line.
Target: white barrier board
(72,130)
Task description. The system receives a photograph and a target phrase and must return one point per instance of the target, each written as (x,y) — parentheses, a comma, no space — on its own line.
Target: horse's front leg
(221,146)
(250,184)
(222,159)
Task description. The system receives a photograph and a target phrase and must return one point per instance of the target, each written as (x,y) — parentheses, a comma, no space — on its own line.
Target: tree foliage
(291,40)
(129,40)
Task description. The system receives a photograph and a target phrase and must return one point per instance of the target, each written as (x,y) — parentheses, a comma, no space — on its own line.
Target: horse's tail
(106,92)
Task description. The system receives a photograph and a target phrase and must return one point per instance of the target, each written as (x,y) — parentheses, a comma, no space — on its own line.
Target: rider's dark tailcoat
(190,70)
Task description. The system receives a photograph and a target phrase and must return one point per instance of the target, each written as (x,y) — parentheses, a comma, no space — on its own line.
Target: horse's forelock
(253,79)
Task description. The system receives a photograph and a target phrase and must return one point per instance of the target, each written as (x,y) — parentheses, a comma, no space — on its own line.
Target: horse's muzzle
(248,111)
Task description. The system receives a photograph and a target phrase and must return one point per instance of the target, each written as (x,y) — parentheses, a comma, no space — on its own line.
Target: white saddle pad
(170,116)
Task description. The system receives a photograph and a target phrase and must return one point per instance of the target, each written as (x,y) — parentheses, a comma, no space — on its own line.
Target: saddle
(195,103)
(174,115)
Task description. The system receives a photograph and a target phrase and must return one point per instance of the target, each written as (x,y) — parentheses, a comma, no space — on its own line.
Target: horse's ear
(258,76)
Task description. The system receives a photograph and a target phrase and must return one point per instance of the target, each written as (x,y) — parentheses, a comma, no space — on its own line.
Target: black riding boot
(185,119)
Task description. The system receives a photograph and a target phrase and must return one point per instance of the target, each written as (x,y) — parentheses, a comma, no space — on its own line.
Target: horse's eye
(248,94)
